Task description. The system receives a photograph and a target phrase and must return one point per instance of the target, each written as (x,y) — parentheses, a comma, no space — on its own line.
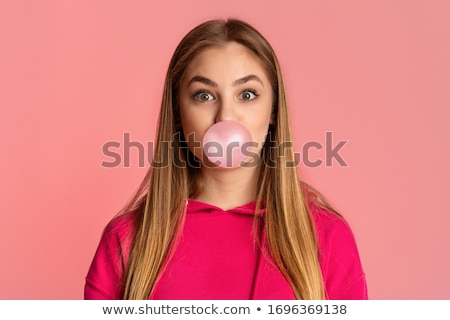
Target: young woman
(198,230)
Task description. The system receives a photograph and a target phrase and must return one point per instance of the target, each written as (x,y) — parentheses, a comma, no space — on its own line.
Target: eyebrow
(237,82)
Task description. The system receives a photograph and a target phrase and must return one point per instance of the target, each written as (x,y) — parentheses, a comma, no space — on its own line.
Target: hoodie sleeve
(340,262)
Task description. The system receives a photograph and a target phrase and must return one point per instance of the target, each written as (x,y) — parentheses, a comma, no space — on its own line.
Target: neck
(228,188)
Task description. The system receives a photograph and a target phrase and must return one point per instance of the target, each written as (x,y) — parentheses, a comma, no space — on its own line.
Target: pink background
(76,74)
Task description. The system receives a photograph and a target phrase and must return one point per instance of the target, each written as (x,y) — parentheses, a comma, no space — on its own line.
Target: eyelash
(205,91)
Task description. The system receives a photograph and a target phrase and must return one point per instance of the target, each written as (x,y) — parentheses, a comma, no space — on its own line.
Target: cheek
(260,129)
(193,130)
(261,137)
(193,127)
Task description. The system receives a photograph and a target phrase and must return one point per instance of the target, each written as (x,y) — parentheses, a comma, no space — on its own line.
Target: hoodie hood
(195,206)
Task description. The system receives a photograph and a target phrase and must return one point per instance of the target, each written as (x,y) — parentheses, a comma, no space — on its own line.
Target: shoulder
(120,227)
(104,277)
(340,262)
(329,225)
(117,236)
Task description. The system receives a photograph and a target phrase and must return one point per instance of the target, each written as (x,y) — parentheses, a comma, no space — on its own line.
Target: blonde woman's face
(224,83)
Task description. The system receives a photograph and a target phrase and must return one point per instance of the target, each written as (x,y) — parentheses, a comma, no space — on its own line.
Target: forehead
(231,58)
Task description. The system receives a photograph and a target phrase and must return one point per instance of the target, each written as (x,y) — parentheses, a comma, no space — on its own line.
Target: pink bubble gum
(223,143)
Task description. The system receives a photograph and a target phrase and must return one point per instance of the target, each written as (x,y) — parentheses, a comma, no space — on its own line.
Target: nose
(226,111)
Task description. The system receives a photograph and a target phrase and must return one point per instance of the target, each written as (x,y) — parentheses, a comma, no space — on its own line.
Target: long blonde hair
(160,200)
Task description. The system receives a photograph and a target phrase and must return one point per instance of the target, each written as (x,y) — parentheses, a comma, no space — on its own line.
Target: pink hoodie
(216,258)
